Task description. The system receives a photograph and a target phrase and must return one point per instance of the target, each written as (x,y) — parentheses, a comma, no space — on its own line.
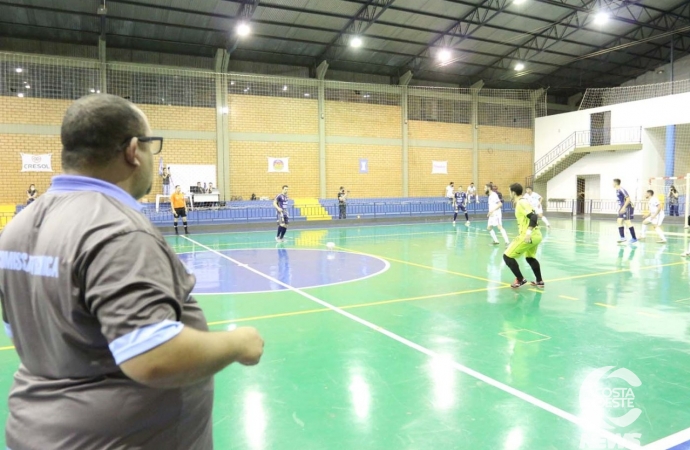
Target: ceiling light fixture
(601,18)
(519,67)
(243,29)
(356,42)
(444,55)
(19,70)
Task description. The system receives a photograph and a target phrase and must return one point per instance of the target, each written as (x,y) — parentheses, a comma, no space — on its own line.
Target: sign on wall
(439,167)
(278,165)
(36,163)
(363,165)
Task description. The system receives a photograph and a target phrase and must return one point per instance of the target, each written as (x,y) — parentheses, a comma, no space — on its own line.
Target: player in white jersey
(495,215)
(450,189)
(536,201)
(654,217)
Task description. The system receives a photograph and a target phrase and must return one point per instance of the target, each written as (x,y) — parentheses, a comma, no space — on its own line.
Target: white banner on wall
(439,167)
(36,163)
(278,165)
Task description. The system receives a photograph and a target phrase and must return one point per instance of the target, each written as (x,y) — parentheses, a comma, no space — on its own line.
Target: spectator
(673,201)
(31,194)
(166,181)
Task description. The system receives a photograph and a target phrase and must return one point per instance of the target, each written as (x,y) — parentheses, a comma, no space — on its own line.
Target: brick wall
(13,183)
(163,117)
(424,184)
(384,177)
(256,114)
(32,111)
(504,167)
(363,120)
(249,169)
(439,131)
(505,135)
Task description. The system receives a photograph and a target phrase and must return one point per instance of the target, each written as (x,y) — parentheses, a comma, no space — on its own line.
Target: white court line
(669,441)
(457,366)
(386,266)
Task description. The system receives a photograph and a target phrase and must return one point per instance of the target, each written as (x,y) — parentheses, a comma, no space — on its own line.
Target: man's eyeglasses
(154,143)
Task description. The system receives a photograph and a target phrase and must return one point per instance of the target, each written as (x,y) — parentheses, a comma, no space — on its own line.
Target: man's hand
(174,213)
(251,346)
(622,211)
(528,237)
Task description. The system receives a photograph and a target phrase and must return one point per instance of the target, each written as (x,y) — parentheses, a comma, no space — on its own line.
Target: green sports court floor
(409,337)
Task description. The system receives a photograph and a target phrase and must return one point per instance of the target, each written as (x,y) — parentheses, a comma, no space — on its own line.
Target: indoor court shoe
(538,284)
(518,284)
(467,224)
(621,240)
(633,241)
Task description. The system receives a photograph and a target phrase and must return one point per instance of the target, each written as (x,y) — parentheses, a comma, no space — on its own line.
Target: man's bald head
(95,128)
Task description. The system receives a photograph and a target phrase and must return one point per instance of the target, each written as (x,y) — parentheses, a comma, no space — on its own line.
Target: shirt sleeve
(130,288)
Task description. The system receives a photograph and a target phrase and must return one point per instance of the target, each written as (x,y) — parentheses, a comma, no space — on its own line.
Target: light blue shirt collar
(76,183)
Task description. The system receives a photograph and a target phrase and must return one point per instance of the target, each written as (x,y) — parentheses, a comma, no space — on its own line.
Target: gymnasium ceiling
(559,42)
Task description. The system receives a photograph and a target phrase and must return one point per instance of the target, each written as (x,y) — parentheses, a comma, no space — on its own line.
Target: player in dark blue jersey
(280,204)
(460,204)
(626,212)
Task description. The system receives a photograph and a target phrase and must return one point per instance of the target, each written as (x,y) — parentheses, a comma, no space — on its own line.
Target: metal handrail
(590,138)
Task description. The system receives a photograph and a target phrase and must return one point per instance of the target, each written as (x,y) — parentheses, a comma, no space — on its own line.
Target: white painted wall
(681,71)
(633,167)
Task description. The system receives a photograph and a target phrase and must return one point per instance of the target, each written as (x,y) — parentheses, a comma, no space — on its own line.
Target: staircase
(311,209)
(580,143)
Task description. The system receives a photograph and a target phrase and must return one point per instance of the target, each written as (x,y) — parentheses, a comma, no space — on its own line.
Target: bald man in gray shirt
(115,353)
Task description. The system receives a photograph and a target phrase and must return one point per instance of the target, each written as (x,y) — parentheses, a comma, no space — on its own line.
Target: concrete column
(321,74)
(476,87)
(222,131)
(102,65)
(404,81)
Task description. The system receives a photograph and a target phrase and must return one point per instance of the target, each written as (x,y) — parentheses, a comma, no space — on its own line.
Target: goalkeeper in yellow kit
(527,241)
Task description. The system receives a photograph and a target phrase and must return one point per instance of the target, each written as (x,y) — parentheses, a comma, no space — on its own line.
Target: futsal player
(495,214)
(527,241)
(280,203)
(626,212)
(536,202)
(179,206)
(654,217)
(460,204)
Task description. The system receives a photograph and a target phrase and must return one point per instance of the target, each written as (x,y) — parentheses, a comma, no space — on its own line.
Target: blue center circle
(228,271)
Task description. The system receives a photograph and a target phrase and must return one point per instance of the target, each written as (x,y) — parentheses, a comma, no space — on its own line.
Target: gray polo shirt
(86,283)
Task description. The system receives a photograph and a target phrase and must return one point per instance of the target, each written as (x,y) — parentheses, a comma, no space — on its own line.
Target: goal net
(674,192)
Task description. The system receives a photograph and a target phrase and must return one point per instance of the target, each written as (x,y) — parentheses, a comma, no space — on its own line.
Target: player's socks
(621,231)
(546,221)
(455,216)
(186,231)
(505,235)
(493,236)
(536,268)
(280,229)
(513,266)
(662,237)
(175,225)
(282,232)
(632,233)
(467,217)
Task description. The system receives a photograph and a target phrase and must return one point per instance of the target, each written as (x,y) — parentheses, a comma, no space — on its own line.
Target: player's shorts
(519,247)
(282,218)
(496,219)
(657,221)
(450,200)
(539,210)
(628,214)
(460,208)
(181,212)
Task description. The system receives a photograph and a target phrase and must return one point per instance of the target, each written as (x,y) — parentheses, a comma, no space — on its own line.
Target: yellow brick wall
(503,167)
(424,184)
(385,170)
(32,111)
(249,169)
(439,131)
(13,183)
(363,120)
(163,117)
(505,135)
(255,114)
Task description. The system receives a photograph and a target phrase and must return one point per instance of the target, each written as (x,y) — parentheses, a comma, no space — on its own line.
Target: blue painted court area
(224,272)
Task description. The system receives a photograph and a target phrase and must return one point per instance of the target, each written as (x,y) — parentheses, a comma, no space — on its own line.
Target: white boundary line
(669,441)
(582,423)
(386,266)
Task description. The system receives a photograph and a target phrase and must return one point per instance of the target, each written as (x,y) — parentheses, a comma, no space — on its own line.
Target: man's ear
(131,152)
